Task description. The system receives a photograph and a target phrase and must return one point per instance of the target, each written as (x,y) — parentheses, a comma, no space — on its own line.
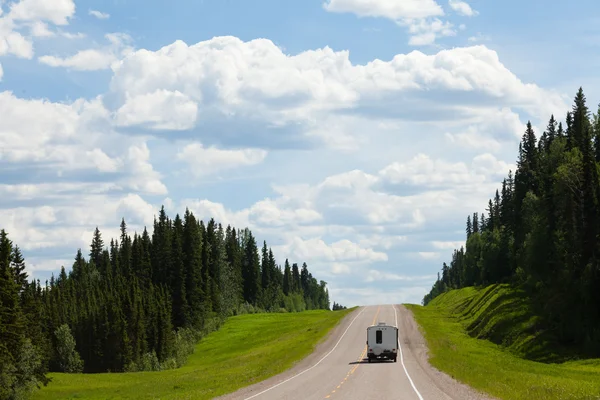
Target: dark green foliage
(22,341)
(140,304)
(543,229)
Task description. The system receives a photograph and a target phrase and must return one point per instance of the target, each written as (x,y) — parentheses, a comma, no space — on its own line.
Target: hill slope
(505,316)
(502,364)
(247,349)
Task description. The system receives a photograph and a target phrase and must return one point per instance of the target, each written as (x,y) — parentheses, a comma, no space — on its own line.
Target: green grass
(247,349)
(488,338)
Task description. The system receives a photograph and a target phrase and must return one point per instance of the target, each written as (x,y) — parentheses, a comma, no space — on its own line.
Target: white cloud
(340,269)
(392,9)
(70,35)
(12,42)
(161,109)
(143,176)
(447,245)
(420,16)
(103,162)
(66,139)
(429,255)
(316,249)
(473,140)
(422,170)
(94,59)
(99,14)
(70,225)
(204,161)
(425,32)
(479,38)
(375,275)
(366,295)
(271,213)
(40,29)
(462,8)
(34,14)
(56,11)
(252,88)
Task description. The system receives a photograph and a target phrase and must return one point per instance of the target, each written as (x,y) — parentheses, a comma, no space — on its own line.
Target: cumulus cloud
(204,161)
(421,17)
(12,42)
(479,38)
(274,213)
(34,14)
(462,8)
(161,109)
(425,32)
(143,177)
(99,14)
(66,140)
(40,29)
(339,268)
(70,225)
(225,91)
(395,10)
(56,11)
(375,275)
(316,249)
(94,59)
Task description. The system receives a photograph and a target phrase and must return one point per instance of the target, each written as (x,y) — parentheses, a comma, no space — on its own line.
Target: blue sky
(355,135)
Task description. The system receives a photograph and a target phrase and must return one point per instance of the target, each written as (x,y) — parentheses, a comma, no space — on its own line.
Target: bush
(185,344)
(169,363)
(150,362)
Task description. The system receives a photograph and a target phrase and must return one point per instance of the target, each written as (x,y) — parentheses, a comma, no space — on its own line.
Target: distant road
(338,369)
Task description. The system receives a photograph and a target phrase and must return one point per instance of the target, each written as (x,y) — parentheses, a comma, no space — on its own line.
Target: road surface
(338,369)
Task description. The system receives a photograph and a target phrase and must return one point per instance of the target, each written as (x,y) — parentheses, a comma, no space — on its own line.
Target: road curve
(338,368)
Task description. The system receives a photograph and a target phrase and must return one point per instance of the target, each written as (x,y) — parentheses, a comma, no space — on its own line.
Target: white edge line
(318,362)
(402,358)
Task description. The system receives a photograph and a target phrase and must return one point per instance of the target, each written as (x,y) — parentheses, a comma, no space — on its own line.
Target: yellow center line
(362,356)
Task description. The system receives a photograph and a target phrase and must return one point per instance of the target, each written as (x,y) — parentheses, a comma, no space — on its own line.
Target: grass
(489,339)
(247,349)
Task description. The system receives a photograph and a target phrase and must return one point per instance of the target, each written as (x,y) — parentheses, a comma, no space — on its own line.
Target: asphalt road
(338,369)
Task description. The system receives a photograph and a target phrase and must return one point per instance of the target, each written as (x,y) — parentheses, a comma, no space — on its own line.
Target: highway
(338,368)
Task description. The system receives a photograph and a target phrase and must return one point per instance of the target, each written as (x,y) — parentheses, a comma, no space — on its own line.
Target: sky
(353,135)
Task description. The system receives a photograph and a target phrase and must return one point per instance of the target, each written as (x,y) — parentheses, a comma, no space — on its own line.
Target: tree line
(140,303)
(541,231)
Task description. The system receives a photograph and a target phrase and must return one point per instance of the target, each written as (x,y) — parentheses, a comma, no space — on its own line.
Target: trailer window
(379,337)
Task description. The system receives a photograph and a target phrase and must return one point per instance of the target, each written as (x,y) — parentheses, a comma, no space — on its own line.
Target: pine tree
(96,248)
(469,229)
(251,270)
(192,256)
(287,278)
(180,305)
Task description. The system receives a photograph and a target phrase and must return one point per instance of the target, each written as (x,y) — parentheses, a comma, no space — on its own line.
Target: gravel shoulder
(416,352)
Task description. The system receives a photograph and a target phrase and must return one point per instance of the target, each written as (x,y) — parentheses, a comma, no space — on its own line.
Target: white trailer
(382,342)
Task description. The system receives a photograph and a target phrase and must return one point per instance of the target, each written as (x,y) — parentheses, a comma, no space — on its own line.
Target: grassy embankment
(506,363)
(247,349)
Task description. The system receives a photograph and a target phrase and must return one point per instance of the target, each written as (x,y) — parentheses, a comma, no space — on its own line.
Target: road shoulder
(415,345)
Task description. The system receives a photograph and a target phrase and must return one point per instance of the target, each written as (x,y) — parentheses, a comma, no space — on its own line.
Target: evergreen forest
(139,303)
(540,232)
